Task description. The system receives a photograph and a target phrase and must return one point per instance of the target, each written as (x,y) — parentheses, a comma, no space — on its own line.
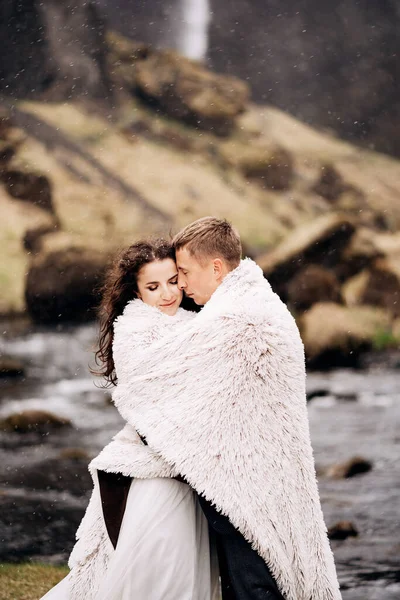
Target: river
(44,486)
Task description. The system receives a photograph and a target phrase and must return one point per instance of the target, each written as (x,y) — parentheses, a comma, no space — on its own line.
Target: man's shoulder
(257,306)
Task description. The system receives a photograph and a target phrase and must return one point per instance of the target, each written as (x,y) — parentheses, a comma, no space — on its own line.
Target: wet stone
(351,467)
(342,530)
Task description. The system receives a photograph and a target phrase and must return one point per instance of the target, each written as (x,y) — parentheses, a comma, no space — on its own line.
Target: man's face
(198,280)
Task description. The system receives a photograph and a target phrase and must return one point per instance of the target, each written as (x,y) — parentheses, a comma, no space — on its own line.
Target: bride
(144,535)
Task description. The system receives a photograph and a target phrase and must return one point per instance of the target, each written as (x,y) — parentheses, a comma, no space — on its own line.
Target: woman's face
(158,285)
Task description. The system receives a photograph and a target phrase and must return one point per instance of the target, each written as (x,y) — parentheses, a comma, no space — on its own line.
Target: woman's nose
(166,293)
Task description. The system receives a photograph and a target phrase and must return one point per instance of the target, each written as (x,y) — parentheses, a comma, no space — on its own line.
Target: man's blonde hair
(211,237)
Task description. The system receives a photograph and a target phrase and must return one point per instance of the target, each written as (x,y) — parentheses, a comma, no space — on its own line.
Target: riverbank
(28,581)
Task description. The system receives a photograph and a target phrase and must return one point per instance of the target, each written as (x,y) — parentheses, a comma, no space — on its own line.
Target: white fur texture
(222,399)
(137,328)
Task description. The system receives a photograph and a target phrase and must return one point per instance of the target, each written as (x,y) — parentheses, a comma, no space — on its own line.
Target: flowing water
(44,485)
(193,37)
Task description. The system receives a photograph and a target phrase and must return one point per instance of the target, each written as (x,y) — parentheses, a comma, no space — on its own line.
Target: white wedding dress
(163,550)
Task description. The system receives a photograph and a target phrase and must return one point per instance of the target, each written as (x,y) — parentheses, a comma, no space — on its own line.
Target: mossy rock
(185,90)
(336,335)
(33,421)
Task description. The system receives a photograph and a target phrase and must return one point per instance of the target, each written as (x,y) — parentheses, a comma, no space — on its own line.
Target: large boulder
(61,284)
(320,241)
(185,90)
(310,285)
(336,335)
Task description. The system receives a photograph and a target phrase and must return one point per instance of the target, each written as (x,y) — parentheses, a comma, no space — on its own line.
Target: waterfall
(193,35)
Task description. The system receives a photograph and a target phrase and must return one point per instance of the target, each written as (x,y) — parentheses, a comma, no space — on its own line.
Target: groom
(244,574)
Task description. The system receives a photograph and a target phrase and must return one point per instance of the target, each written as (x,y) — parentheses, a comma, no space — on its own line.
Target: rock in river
(11,367)
(33,420)
(349,468)
(342,530)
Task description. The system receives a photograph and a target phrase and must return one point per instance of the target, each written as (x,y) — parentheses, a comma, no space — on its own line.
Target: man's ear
(218,268)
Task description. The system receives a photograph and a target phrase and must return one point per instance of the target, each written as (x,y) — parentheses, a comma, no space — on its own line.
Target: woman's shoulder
(137,315)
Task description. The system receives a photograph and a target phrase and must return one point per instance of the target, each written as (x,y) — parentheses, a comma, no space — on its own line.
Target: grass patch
(384,340)
(28,581)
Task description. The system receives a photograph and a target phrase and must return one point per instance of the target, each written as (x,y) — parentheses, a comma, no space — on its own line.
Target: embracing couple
(210,487)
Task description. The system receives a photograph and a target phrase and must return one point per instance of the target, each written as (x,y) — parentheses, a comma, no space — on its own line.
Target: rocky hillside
(78,181)
(332,64)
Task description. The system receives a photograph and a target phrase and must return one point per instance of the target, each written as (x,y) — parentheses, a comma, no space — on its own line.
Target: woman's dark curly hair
(119,287)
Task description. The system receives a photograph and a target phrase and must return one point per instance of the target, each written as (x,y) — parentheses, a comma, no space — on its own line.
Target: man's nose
(181,281)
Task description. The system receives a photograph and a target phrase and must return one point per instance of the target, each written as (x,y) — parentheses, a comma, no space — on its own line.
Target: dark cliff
(52,49)
(332,64)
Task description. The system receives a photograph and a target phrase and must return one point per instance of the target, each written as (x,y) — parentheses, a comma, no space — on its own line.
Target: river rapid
(44,485)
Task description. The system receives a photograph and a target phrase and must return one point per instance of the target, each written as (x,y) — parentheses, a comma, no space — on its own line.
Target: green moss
(385,339)
(28,581)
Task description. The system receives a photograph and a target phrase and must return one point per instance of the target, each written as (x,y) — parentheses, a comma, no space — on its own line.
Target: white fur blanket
(222,399)
(136,329)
